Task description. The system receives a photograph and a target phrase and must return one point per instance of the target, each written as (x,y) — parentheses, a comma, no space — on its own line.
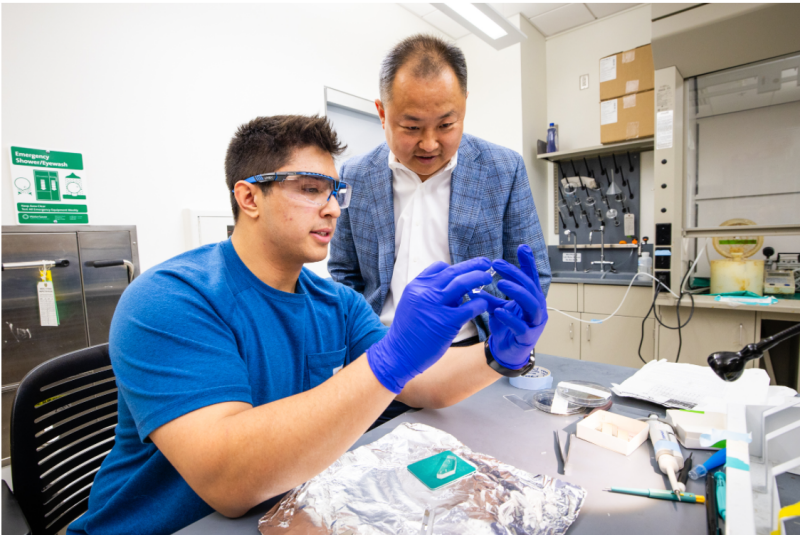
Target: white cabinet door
(601,299)
(563,297)
(708,331)
(561,337)
(616,341)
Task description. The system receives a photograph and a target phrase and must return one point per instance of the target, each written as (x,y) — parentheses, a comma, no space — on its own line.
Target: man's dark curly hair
(265,144)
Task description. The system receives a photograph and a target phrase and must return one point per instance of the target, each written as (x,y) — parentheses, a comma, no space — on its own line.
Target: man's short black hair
(265,144)
(430,55)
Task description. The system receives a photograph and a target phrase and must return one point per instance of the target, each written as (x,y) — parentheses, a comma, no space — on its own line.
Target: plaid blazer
(491,214)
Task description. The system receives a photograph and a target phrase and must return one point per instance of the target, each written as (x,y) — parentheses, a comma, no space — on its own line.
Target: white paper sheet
(608,112)
(608,69)
(686,386)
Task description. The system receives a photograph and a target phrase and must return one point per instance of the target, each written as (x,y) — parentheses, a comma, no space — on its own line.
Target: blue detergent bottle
(552,138)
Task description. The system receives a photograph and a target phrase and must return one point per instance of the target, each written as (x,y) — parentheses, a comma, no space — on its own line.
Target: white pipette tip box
(689,425)
(613,432)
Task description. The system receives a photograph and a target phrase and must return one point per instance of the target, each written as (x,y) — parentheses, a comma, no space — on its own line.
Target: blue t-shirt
(197,330)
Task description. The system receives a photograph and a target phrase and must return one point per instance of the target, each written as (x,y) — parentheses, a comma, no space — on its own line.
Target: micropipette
(668,453)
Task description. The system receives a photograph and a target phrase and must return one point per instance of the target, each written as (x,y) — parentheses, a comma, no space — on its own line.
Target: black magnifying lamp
(730,365)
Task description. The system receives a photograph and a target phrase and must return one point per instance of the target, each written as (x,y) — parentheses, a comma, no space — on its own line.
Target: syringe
(668,452)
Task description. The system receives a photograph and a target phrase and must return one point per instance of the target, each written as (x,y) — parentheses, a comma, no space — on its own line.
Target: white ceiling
(549,19)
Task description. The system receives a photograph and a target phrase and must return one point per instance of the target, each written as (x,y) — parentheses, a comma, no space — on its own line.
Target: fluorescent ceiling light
(483,21)
(478,18)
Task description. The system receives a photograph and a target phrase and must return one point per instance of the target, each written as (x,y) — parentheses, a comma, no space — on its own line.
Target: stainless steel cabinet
(102,287)
(86,295)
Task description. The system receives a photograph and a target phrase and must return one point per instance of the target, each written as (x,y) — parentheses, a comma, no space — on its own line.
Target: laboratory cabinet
(561,336)
(563,297)
(87,288)
(710,330)
(600,299)
(613,342)
(617,341)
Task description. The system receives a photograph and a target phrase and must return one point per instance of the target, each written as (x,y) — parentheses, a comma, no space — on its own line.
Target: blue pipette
(718,459)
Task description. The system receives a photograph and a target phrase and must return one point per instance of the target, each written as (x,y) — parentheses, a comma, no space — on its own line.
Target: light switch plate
(584,81)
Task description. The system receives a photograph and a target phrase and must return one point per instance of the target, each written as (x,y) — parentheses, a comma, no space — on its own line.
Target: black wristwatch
(502,370)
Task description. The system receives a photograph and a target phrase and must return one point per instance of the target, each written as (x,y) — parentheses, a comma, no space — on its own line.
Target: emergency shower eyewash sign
(48,187)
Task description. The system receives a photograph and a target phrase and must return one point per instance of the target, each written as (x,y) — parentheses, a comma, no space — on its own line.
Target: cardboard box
(627,73)
(604,429)
(628,117)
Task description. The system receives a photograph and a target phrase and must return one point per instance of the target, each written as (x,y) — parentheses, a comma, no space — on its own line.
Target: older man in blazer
(430,192)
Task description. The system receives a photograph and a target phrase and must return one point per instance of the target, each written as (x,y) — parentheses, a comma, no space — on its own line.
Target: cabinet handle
(588,333)
(571,335)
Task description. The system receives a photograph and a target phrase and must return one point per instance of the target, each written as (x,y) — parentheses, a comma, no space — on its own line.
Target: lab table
(488,423)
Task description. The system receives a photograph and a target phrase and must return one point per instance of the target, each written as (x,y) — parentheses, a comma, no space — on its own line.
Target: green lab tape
(721,444)
(733,462)
(696,412)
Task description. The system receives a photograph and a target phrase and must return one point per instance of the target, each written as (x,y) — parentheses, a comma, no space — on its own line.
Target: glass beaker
(612,215)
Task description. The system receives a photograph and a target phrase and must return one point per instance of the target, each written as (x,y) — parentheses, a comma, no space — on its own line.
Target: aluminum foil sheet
(369,490)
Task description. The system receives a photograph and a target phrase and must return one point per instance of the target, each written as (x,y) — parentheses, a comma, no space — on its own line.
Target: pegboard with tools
(596,189)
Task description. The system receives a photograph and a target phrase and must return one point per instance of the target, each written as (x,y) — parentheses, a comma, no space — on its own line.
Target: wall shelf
(639,145)
(597,246)
(789,306)
(743,230)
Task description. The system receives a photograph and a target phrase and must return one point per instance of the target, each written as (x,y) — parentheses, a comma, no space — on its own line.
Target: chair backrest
(62,427)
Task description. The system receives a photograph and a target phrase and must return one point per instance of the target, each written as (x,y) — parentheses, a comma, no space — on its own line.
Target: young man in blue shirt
(242,375)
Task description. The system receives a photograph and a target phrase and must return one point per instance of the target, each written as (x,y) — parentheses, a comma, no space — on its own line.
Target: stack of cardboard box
(626,95)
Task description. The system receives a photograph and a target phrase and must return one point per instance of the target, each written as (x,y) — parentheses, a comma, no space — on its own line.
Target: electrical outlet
(584,81)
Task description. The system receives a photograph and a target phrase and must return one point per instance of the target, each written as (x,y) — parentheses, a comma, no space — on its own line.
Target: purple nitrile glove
(429,316)
(516,325)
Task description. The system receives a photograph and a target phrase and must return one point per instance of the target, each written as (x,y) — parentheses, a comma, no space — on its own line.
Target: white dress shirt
(421,223)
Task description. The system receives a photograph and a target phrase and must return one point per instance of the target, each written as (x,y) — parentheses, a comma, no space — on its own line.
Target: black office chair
(62,427)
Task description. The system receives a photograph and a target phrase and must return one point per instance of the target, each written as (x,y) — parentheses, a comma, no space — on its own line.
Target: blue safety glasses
(313,188)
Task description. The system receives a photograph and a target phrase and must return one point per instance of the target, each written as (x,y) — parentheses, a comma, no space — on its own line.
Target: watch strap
(508,372)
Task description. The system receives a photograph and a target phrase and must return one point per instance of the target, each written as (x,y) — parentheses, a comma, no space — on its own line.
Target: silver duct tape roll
(537,379)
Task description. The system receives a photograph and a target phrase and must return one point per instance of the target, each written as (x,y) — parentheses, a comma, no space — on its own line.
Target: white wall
(576,52)
(577,113)
(534,117)
(151,94)
(494,104)
(507,100)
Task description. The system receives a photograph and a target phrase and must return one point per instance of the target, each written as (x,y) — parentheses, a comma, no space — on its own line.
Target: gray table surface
(490,424)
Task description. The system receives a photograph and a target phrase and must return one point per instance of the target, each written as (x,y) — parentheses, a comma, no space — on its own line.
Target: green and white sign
(49,187)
